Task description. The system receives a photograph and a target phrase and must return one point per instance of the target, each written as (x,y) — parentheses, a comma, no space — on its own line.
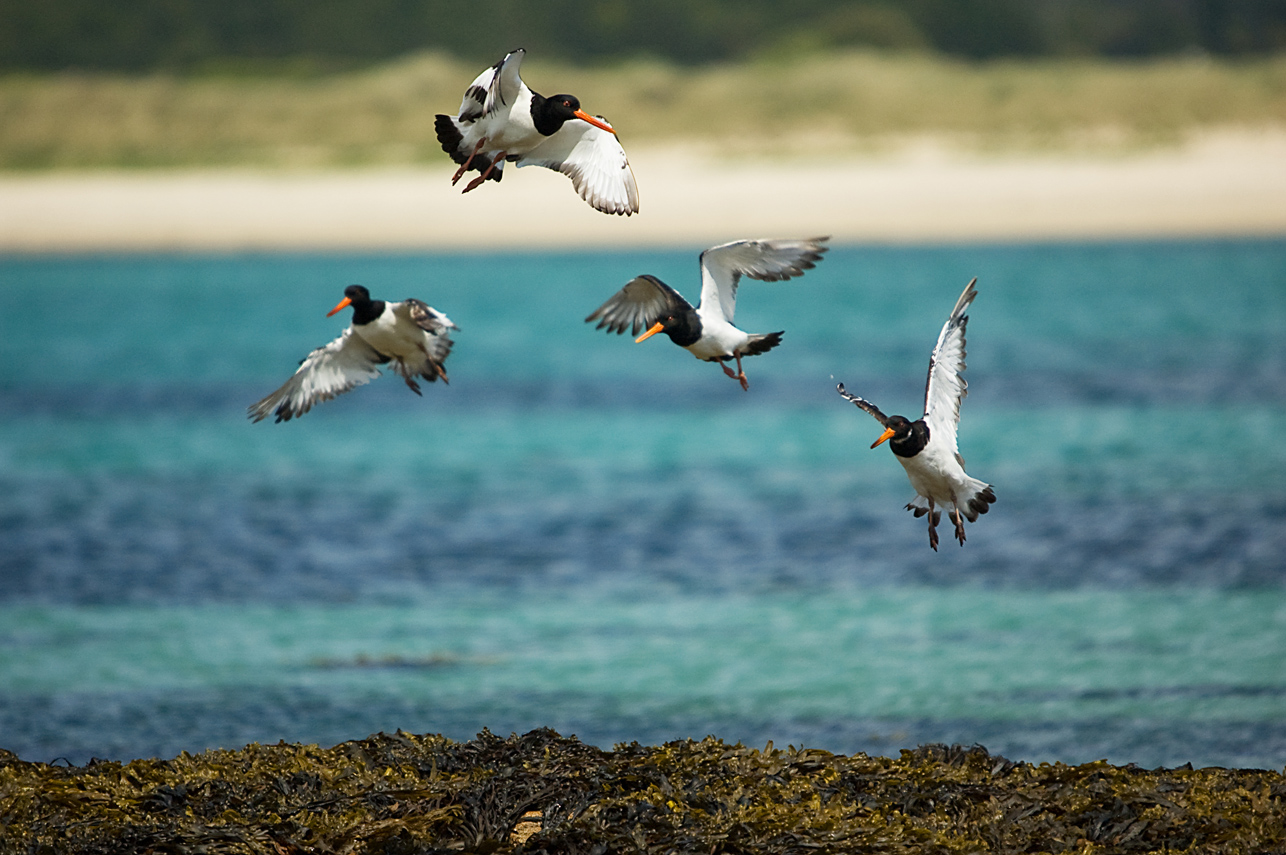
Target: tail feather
(761,343)
(451,137)
(976,500)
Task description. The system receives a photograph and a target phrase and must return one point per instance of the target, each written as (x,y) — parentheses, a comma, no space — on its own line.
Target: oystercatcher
(503,120)
(707,331)
(926,447)
(414,337)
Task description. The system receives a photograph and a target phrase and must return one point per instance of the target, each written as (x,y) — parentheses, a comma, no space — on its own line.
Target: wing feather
(769,260)
(638,305)
(328,371)
(945,387)
(862,404)
(596,163)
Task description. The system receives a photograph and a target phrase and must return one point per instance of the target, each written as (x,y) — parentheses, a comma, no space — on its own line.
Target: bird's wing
(595,162)
(326,372)
(946,386)
(863,404)
(437,328)
(638,305)
(771,260)
(493,89)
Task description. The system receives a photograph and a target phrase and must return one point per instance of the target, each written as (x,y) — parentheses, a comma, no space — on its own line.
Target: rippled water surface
(616,541)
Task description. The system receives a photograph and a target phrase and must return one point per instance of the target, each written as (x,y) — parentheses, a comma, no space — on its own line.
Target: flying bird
(647,303)
(926,447)
(412,338)
(502,120)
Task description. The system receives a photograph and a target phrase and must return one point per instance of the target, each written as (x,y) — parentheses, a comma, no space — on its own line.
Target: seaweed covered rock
(544,793)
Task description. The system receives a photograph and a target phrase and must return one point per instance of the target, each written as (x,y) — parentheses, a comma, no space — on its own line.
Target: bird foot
(933,538)
(745,384)
(474,184)
(958,518)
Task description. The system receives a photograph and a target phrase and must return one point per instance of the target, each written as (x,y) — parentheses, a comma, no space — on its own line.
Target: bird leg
(959,521)
(741,374)
(459,173)
(933,527)
(475,183)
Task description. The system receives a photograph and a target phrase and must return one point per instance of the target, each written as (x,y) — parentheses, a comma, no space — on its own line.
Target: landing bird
(926,447)
(413,337)
(503,120)
(707,331)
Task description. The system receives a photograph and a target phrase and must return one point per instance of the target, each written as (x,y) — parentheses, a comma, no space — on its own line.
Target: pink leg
(477,182)
(459,173)
(933,530)
(741,375)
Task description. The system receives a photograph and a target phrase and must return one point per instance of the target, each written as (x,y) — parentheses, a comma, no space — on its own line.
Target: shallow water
(615,541)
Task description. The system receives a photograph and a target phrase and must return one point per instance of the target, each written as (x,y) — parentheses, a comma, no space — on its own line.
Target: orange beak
(887,433)
(656,328)
(598,123)
(343,304)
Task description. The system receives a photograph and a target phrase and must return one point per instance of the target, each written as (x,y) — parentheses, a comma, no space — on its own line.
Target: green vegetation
(182,35)
(819,106)
(542,793)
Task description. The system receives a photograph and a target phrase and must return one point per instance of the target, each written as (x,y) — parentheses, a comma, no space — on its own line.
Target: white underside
(936,474)
(719,339)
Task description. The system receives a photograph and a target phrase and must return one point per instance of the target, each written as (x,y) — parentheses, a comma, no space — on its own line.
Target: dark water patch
(123,726)
(146,540)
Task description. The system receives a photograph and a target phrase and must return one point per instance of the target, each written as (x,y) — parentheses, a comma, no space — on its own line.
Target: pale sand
(1226,184)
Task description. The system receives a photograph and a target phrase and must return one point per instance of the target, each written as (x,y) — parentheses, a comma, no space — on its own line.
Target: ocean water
(616,541)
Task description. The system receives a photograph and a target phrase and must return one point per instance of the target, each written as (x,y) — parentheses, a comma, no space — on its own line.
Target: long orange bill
(887,433)
(343,304)
(598,123)
(656,328)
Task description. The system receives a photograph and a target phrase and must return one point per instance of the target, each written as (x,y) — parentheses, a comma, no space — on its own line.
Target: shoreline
(1225,184)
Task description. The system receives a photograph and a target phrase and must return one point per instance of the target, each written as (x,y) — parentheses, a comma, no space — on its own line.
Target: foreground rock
(545,793)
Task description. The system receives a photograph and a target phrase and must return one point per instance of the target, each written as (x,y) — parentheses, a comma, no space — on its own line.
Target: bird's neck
(544,116)
(365,312)
(913,443)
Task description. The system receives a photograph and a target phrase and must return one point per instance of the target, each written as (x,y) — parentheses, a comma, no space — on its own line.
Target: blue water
(616,541)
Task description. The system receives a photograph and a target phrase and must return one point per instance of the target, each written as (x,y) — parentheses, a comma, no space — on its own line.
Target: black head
(550,114)
(566,105)
(364,308)
(908,437)
(682,325)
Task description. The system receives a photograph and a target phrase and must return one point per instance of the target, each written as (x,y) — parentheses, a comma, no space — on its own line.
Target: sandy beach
(1219,184)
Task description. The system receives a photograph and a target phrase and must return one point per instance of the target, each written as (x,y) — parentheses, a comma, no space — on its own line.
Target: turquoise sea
(615,541)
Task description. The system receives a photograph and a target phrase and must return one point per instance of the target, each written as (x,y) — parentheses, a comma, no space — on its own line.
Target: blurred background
(612,539)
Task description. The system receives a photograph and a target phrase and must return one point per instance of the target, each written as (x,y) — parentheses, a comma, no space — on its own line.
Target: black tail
(762,343)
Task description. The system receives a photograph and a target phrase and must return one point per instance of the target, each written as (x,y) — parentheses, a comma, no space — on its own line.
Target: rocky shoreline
(545,793)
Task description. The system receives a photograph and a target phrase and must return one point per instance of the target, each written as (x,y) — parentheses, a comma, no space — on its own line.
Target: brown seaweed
(544,793)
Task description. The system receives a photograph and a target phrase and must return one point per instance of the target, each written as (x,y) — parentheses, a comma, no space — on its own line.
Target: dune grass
(815,107)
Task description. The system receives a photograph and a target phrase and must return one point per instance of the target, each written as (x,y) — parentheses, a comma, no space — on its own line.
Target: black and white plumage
(647,303)
(410,337)
(501,120)
(927,447)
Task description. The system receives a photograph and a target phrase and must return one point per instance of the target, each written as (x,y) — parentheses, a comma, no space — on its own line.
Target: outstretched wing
(493,89)
(595,162)
(326,372)
(946,386)
(862,404)
(638,305)
(771,260)
(437,328)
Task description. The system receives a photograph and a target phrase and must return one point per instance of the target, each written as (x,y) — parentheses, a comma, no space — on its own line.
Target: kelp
(544,793)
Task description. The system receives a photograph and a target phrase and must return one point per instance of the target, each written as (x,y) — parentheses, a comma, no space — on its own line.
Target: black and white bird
(412,338)
(501,120)
(927,447)
(647,303)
